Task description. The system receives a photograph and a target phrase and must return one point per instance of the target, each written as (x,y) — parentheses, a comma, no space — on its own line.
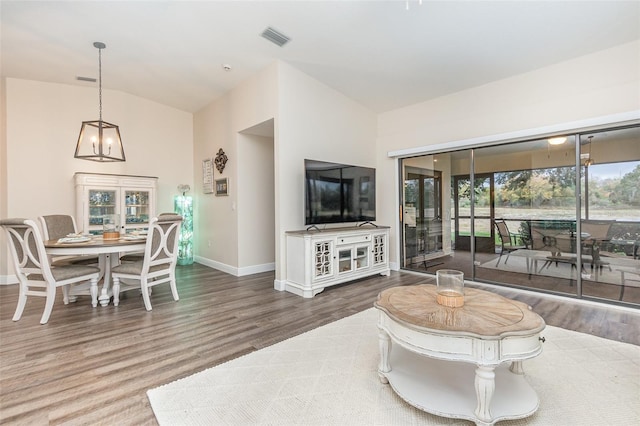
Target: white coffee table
(447,361)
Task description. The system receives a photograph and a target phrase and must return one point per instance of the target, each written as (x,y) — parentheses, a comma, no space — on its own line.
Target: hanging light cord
(100,80)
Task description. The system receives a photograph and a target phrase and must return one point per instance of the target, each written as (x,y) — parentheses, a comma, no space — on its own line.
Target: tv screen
(336,193)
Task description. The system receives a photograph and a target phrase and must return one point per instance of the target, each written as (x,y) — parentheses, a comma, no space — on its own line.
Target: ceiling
(376,52)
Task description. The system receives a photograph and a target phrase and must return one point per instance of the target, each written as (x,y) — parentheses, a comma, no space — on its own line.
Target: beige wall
(217,126)
(42,125)
(597,85)
(4,255)
(311,121)
(318,123)
(256,203)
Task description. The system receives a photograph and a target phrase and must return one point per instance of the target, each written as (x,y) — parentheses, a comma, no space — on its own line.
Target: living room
(267,125)
(605,95)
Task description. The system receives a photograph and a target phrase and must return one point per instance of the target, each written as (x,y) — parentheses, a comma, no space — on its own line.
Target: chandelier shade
(99,140)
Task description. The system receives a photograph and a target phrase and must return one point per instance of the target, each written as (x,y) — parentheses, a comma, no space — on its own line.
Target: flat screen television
(338,193)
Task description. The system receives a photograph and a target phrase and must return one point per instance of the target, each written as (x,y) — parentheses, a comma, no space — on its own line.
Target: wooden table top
(95,242)
(484,313)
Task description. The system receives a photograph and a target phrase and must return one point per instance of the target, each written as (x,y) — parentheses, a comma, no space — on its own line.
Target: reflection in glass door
(422,216)
(483,213)
(610,214)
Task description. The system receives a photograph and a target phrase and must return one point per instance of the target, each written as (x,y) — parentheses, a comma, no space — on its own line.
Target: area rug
(328,376)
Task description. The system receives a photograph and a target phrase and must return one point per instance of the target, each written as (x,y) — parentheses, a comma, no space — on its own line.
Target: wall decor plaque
(221,160)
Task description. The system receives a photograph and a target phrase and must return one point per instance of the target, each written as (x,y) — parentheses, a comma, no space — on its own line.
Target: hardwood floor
(93,366)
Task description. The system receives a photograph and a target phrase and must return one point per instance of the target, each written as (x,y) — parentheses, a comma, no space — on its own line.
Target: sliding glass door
(422,213)
(570,206)
(610,214)
(534,197)
(483,211)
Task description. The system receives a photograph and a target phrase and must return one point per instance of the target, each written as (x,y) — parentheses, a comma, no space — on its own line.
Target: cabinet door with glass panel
(353,258)
(102,202)
(137,208)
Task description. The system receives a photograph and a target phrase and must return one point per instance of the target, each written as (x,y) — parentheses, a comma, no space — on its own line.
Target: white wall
(318,123)
(218,126)
(596,85)
(256,204)
(311,121)
(42,126)
(4,255)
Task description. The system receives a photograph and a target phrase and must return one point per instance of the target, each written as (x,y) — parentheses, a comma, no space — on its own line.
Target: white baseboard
(280,285)
(256,269)
(8,279)
(217,265)
(236,272)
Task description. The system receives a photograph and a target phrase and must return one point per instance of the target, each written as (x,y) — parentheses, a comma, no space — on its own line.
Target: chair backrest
(503,231)
(27,249)
(543,238)
(57,226)
(596,229)
(161,251)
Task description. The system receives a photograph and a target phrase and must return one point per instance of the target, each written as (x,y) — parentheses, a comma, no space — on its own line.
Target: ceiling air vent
(92,80)
(275,37)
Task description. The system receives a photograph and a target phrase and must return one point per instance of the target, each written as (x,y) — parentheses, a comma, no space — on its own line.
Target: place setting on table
(74,239)
(90,240)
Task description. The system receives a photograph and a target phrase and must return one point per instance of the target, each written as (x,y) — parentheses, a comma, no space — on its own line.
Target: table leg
(111,259)
(384,342)
(516,367)
(93,289)
(102,265)
(485,386)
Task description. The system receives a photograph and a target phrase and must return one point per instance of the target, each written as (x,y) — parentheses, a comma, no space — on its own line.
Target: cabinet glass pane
(101,203)
(136,207)
(362,257)
(344,260)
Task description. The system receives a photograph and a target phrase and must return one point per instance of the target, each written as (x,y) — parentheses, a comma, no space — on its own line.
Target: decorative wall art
(221,160)
(207,176)
(222,186)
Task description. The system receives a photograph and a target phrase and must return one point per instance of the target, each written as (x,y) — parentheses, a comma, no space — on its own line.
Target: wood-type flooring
(91,366)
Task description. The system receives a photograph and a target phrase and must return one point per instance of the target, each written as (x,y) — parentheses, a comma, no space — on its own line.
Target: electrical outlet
(209,243)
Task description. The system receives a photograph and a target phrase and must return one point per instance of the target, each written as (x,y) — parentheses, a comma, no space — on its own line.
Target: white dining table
(108,252)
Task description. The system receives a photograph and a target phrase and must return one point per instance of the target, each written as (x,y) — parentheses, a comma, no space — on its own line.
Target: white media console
(317,259)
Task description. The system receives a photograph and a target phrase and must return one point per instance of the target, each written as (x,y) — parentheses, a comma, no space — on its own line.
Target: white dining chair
(35,275)
(56,226)
(158,265)
(135,257)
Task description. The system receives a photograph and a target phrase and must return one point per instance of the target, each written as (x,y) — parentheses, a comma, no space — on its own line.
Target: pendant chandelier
(99,140)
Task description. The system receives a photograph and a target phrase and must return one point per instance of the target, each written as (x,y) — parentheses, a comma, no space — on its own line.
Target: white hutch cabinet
(319,259)
(131,197)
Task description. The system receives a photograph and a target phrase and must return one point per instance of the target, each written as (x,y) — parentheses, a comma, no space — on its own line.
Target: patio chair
(626,279)
(508,240)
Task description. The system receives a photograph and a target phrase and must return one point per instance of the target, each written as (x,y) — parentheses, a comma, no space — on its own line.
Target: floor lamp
(183,205)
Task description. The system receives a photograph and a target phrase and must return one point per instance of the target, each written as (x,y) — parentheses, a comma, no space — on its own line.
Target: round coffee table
(448,360)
